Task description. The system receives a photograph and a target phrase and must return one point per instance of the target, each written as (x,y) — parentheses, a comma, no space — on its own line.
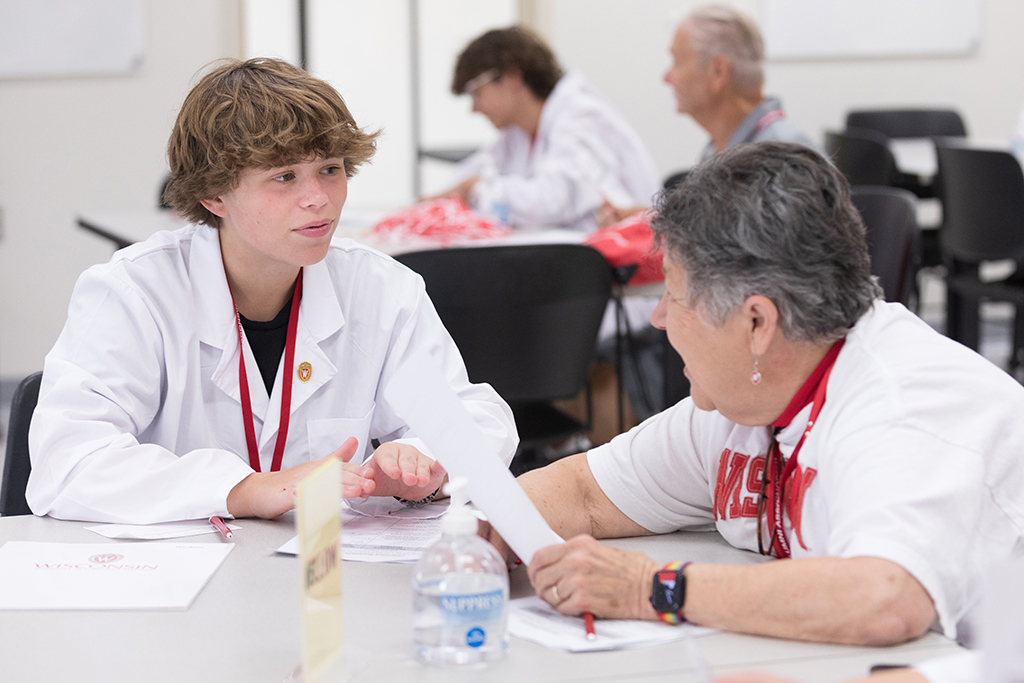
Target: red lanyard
(768,119)
(777,475)
(286,388)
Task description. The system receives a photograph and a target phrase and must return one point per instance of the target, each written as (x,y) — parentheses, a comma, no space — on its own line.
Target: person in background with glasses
(562,151)
(877,460)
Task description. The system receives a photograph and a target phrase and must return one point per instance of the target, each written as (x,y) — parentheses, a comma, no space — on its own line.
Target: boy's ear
(215,206)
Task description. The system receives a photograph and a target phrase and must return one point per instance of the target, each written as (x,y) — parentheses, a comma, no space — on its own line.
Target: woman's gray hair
(773,219)
(723,30)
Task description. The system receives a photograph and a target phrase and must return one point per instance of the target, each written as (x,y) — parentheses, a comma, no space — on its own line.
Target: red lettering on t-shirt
(730,503)
(796,487)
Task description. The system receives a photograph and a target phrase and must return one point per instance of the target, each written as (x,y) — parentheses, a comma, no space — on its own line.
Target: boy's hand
(401,470)
(269,494)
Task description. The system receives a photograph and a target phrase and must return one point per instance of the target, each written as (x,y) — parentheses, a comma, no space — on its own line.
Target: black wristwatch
(668,592)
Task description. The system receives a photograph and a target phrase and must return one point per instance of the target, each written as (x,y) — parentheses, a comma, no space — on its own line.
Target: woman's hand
(581,575)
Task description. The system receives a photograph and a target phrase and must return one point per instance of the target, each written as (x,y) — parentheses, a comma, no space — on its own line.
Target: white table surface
(244,627)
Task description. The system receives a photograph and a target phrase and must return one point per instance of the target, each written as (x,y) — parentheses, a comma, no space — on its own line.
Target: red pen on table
(588,620)
(220,526)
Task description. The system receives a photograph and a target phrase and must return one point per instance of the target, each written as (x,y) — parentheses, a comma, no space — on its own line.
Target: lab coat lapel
(217,326)
(320,317)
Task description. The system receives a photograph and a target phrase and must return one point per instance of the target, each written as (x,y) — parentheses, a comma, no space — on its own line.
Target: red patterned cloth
(630,242)
(438,220)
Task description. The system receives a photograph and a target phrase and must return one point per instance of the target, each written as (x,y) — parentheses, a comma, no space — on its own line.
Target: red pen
(220,526)
(588,620)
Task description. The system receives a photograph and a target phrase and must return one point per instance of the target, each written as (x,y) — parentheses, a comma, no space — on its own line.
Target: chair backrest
(524,317)
(909,123)
(675,179)
(863,156)
(982,194)
(893,238)
(16,462)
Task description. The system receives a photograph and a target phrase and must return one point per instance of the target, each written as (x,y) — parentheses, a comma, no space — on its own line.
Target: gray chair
(17,465)
(982,194)
(909,123)
(863,156)
(894,241)
(525,318)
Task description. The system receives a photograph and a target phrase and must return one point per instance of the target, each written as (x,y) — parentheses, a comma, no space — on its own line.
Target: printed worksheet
(399,537)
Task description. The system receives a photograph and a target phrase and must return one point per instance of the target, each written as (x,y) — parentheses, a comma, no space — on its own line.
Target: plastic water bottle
(460,592)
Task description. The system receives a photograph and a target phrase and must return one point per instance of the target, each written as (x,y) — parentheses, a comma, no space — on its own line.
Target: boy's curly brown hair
(260,113)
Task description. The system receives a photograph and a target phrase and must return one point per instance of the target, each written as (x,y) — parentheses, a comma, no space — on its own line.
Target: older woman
(878,460)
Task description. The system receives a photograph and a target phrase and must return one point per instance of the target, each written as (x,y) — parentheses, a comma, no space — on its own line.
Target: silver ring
(554,591)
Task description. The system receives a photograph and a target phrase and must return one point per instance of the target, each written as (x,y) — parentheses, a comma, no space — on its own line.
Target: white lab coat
(139,417)
(585,152)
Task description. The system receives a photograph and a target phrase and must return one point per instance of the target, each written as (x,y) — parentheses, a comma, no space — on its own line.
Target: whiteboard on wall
(812,29)
(53,38)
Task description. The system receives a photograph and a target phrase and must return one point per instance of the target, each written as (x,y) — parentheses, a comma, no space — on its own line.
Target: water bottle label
(475,637)
(472,608)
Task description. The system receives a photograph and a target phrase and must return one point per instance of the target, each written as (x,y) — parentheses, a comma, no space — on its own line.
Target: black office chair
(909,123)
(675,179)
(17,465)
(863,156)
(982,195)
(525,318)
(893,238)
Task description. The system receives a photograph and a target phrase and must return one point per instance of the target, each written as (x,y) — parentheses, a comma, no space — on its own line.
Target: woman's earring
(755,376)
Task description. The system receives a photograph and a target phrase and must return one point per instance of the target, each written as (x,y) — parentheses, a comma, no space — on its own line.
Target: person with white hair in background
(717,76)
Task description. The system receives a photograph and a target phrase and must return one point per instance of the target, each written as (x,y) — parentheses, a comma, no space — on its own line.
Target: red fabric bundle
(630,242)
(438,220)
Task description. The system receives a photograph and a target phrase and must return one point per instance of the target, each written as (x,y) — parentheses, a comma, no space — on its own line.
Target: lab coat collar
(320,316)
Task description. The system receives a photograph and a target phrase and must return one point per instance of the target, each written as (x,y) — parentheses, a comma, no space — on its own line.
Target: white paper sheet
(106,576)
(153,532)
(533,619)
(421,397)
(399,538)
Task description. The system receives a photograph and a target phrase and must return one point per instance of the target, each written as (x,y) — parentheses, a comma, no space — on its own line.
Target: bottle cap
(458,521)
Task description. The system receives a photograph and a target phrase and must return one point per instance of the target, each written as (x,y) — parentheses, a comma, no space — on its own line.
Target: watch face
(665,595)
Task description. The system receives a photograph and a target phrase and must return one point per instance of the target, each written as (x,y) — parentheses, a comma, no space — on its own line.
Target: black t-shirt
(267,340)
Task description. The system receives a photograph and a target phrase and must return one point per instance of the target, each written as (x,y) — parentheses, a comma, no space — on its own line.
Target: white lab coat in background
(585,152)
(139,417)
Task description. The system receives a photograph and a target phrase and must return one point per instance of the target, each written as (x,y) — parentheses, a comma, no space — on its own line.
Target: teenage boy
(206,371)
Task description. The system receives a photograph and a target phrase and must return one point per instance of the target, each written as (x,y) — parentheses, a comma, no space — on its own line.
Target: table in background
(244,626)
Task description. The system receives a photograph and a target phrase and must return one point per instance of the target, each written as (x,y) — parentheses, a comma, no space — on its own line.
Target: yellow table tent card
(318,517)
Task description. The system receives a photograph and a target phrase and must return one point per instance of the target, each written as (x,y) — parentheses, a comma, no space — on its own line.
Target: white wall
(380,96)
(75,144)
(70,145)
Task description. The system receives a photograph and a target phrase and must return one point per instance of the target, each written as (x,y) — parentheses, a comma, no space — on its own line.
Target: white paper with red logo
(106,576)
